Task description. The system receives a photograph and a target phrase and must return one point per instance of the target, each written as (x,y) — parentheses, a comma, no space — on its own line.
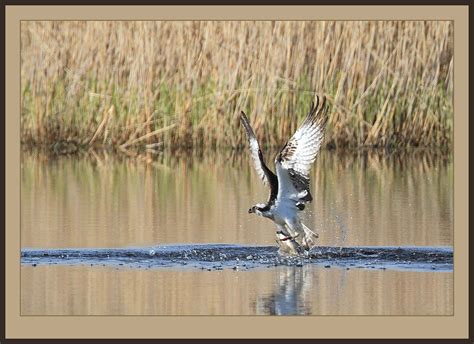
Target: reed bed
(151,84)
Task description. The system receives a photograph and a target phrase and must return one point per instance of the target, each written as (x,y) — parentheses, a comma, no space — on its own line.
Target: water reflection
(309,290)
(104,200)
(291,293)
(364,199)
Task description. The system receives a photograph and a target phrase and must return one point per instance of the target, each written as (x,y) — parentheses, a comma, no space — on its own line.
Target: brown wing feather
(301,150)
(299,153)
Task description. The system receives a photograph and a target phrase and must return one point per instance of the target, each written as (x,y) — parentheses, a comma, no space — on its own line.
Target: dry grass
(139,84)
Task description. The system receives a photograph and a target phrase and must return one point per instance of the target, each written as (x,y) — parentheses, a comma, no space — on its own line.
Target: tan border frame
(234,326)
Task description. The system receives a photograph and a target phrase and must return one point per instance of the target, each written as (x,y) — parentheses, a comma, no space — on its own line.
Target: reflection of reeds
(183,83)
(317,291)
(394,199)
(359,199)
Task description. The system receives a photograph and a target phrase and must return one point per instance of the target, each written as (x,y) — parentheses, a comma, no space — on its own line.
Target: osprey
(289,188)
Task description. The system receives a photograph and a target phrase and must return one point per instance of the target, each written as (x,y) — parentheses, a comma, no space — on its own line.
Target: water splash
(239,257)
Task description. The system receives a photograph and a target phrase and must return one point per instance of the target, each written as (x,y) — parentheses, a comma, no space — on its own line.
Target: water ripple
(239,257)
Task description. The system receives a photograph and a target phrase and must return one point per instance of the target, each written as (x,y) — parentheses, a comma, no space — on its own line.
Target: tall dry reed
(145,84)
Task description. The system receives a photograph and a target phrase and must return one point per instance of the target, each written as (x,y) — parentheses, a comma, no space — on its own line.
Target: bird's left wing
(296,157)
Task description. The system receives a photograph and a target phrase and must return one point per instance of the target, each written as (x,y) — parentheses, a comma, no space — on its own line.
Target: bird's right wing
(265,174)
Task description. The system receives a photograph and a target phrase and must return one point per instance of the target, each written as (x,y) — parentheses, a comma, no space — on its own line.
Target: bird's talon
(288,238)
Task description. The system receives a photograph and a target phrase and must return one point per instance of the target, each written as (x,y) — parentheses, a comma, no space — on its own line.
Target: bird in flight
(289,188)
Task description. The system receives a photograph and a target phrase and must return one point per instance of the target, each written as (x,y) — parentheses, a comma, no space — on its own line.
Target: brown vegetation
(145,84)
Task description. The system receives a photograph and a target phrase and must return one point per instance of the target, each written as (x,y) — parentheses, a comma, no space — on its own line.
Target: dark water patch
(224,256)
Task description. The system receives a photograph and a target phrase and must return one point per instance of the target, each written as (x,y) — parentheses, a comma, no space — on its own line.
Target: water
(157,205)
(238,257)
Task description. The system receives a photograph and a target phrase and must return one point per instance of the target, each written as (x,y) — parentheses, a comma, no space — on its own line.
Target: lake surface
(103,201)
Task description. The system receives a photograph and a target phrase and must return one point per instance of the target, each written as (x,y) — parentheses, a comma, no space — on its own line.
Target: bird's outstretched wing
(265,174)
(294,161)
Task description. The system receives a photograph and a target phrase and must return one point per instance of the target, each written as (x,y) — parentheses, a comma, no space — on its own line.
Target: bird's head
(257,209)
